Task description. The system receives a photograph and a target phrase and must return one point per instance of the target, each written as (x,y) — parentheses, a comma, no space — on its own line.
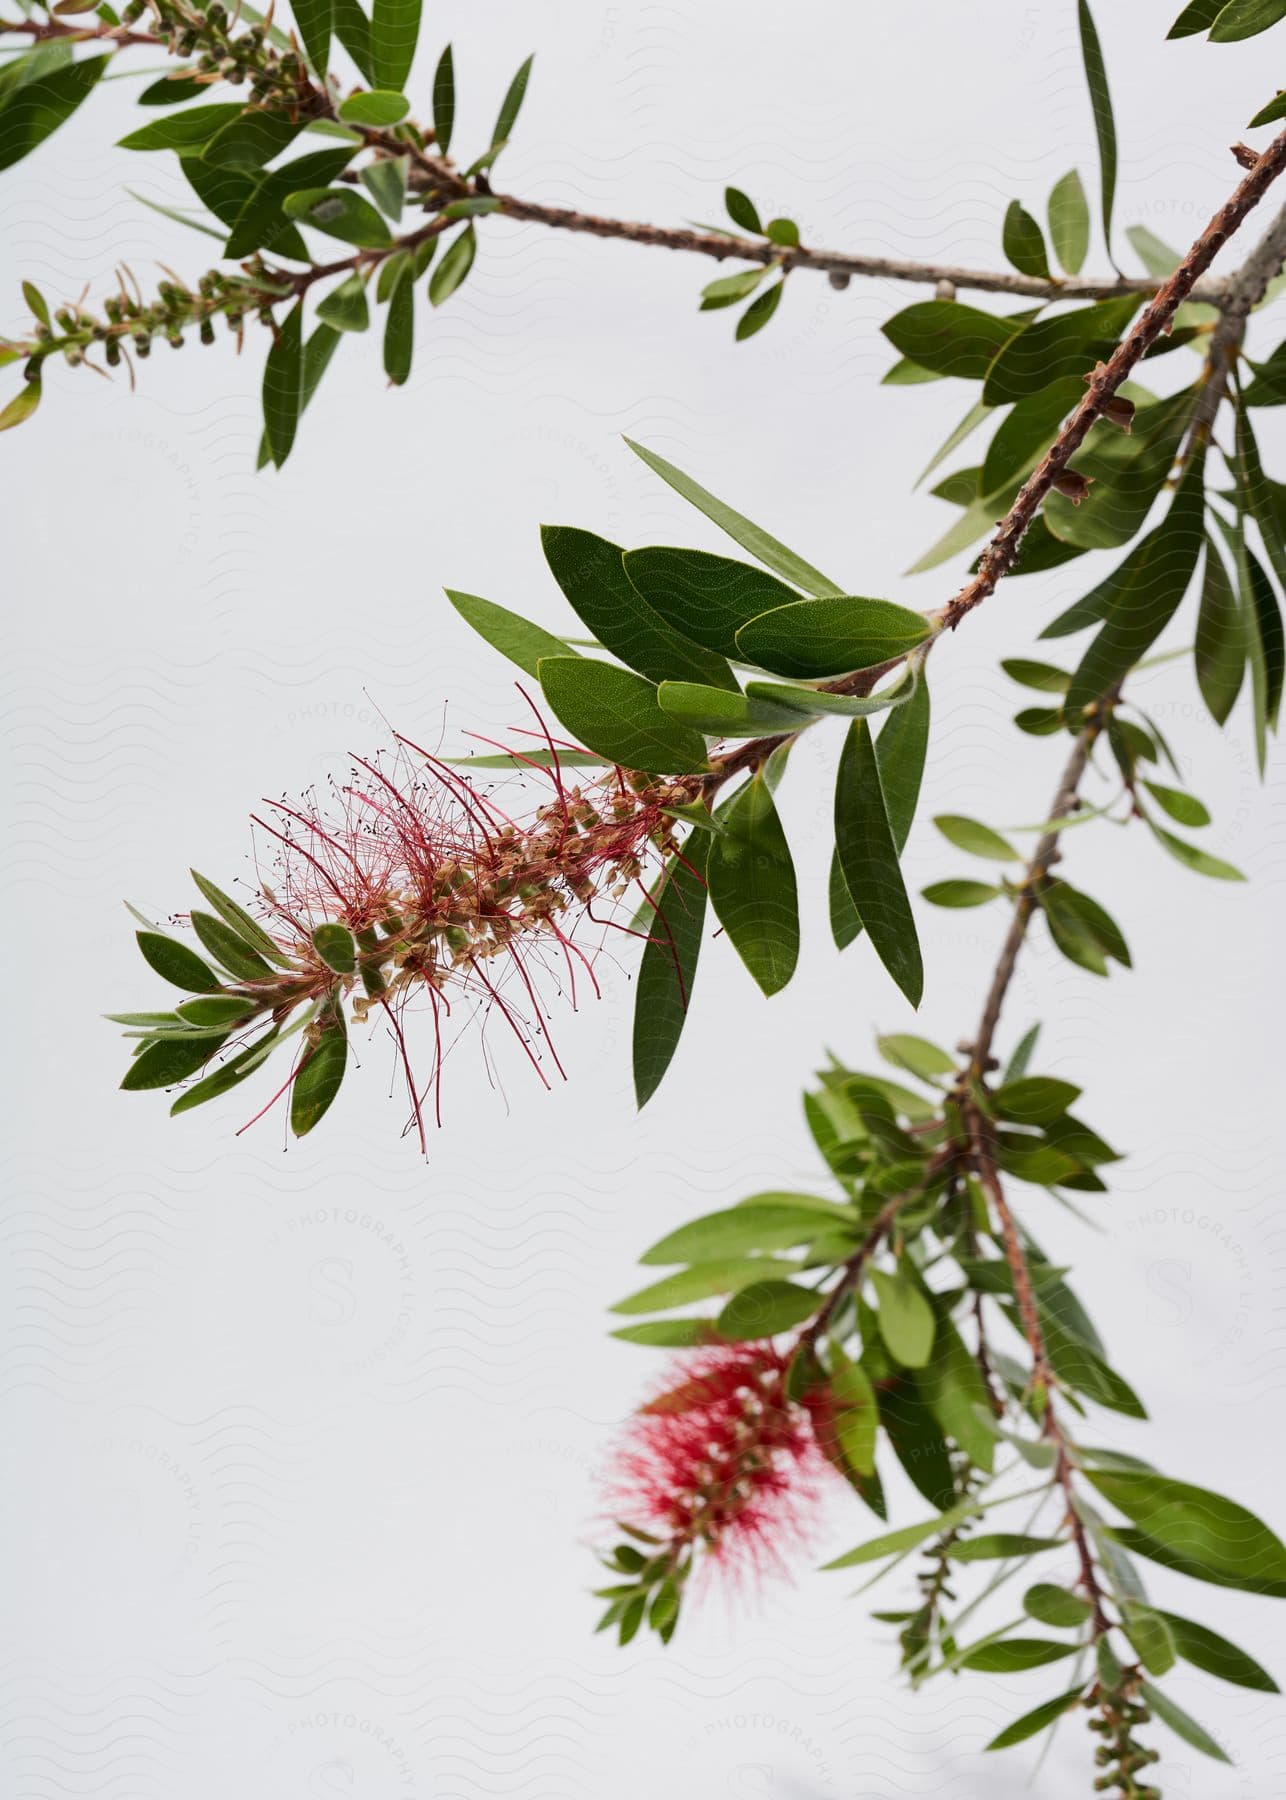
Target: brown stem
(999,556)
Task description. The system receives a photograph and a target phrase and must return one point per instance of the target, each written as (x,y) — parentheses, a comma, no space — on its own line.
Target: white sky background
(297,1504)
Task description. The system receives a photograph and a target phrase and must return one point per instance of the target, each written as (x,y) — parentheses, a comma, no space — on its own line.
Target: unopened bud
(1245,155)
(1072,485)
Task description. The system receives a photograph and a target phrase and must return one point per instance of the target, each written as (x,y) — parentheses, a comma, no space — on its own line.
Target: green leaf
(1034,1099)
(385,182)
(1199,861)
(727,290)
(758,313)
(1180,1722)
(1024,242)
(1085,933)
(341,213)
(975,839)
(1104,123)
(1244,19)
(1025,434)
(741,211)
(444,100)
(177,131)
(955,1392)
(283,385)
(229,948)
(240,920)
(511,103)
(315,19)
(252,139)
(515,637)
(816,638)
(616,713)
(1149,1635)
(900,751)
(1002,1546)
(816,703)
(1008,1655)
(376,108)
(703,1281)
(949,337)
(23,404)
(261,223)
(162,1064)
(764,1309)
(1069,222)
(591,573)
(668,1334)
(856,1418)
(1051,349)
(1198,15)
(907,1323)
(214,1009)
(784,232)
(868,857)
(1197,1524)
(395,31)
(752,885)
(704,597)
(760,1224)
(36,108)
(231,1074)
(669,965)
(907,1537)
(719,713)
(1036,1720)
(1036,675)
(345,307)
(399,331)
(36,301)
(353,29)
(764,548)
(1159,573)
(1219,652)
(177,964)
(1050,1605)
(320,1074)
(455,265)
(916,1054)
(1205,1649)
(1017,1064)
(337,948)
(960,893)
(1184,809)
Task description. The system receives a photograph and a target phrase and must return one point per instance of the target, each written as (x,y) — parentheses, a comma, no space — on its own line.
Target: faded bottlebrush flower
(721,1462)
(411,884)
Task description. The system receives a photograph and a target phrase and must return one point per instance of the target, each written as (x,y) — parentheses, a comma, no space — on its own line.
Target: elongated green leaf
(616,713)
(668,967)
(454,267)
(1184,809)
(1196,1523)
(1104,122)
(816,703)
(37,107)
(399,331)
(177,964)
(231,1074)
(515,637)
(1181,1723)
(668,1334)
(1244,19)
(1198,15)
(1024,242)
(1034,1099)
(1028,431)
(752,1226)
(719,713)
(1069,222)
(1035,1720)
(1193,857)
(444,100)
(974,838)
(335,944)
(1008,1655)
(907,1323)
(229,948)
(907,1537)
(704,597)
(752,885)
(900,751)
(764,1309)
(162,1064)
(949,337)
(385,182)
(341,213)
(23,405)
(1159,573)
(760,310)
(1050,1605)
(1219,652)
(376,108)
(320,1074)
(261,222)
(1002,1546)
(345,307)
(1205,1649)
(960,893)
(814,638)
(395,31)
(591,573)
(1051,349)
(955,1393)
(753,538)
(353,29)
(703,1281)
(868,857)
(283,385)
(177,131)
(315,19)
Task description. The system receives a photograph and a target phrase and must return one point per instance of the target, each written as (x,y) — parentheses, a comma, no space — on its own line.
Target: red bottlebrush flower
(413,884)
(721,1462)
